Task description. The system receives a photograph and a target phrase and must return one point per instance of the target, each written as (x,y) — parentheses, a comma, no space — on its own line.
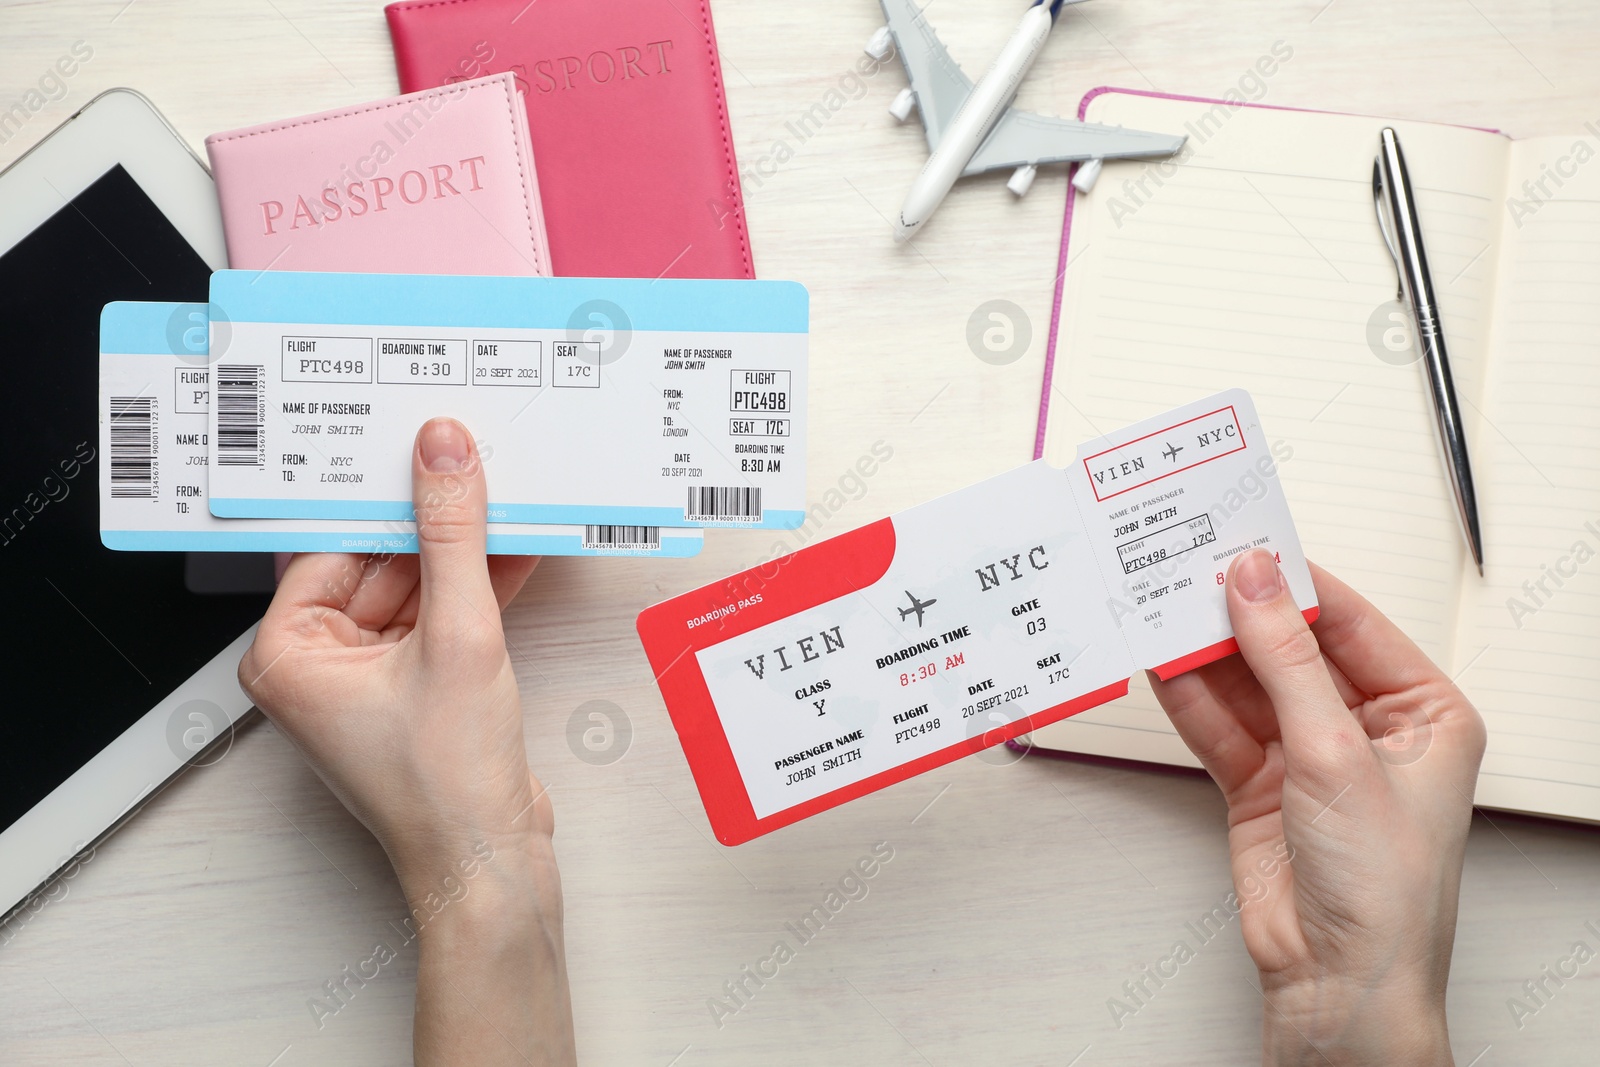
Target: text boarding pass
(863,660)
(617,401)
(155,394)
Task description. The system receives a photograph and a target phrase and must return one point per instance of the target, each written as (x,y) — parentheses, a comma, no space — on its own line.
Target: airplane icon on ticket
(917,608)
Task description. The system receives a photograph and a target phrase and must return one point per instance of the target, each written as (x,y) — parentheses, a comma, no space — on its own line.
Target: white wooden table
(1020,896)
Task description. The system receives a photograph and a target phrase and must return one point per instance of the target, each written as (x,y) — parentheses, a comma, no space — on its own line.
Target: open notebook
(1258,263)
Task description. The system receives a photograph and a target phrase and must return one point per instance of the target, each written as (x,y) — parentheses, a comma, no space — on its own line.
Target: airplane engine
(1088,174)
(1022,179)
(903,103)
(880,44)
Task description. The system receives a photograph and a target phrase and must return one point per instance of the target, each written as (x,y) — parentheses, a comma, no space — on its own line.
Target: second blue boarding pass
(596,400)
(155,393)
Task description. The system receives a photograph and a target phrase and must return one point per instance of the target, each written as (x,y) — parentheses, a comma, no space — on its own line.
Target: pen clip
(1386,226)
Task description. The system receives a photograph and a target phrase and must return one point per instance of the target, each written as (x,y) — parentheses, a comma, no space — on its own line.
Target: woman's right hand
(1348,761)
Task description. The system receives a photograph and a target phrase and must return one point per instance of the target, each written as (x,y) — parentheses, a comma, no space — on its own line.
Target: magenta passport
(628,119)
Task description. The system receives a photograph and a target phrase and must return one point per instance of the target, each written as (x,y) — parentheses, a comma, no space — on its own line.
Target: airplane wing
(1023,137)
(935,78)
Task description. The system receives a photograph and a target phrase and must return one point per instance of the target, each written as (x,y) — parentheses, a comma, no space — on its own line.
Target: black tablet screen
(92,638)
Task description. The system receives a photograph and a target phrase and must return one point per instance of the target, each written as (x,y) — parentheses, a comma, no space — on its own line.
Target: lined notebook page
(1258,263)
(1530,658)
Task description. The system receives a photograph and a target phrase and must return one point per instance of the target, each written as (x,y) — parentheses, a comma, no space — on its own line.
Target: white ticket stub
(155,395)
(615,401)
(1166,505)
(860,661)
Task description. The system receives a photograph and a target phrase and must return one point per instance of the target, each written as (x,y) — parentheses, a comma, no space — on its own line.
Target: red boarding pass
(863,660)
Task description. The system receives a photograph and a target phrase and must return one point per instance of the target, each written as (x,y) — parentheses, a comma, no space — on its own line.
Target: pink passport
(436,182)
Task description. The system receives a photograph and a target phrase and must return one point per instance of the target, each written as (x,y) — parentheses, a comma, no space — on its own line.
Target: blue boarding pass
(155,397)
(615,401)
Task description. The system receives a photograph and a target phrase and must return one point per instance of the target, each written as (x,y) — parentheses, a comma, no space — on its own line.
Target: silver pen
(1397,218)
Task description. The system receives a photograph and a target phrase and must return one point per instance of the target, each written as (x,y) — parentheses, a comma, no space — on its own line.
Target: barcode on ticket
(133,446)
(241,414)
(623,538)
(730,503)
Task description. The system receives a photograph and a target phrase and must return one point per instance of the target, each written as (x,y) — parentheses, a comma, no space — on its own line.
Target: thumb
(450,498)
(1319,733)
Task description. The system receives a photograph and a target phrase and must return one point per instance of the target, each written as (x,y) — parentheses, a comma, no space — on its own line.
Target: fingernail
(445,446)
(1257,576)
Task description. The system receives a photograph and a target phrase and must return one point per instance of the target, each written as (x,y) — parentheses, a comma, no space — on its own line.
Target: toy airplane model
(973,128)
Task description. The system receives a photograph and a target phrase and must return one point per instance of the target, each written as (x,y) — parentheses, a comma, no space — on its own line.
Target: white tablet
(119,669)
